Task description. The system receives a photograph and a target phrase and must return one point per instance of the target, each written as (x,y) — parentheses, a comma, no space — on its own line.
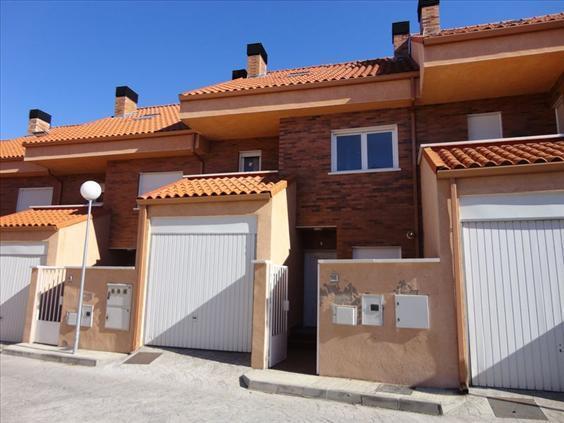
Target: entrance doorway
(310,284)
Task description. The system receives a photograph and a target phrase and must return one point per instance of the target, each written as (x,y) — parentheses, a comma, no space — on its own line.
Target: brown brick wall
(367,208)
(9,188)
(521,116)
(122,178)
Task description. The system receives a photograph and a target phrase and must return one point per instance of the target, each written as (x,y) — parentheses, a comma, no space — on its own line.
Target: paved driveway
(175,387)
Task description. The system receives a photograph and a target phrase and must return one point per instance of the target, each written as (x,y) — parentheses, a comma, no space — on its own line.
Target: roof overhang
(19,168)
(205,199)
(257,113)
(81,156)
(492,64)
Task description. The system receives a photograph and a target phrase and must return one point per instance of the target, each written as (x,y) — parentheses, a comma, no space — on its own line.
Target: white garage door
(200,283)
(514,273)
(16,262)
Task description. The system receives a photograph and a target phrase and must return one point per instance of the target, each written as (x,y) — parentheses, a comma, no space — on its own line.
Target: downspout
(200,158)
(461,335)
(60,199)
(415,178)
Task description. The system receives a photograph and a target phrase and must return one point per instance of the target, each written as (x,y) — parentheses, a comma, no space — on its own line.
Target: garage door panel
(514,283)
(15,276)
(200,291)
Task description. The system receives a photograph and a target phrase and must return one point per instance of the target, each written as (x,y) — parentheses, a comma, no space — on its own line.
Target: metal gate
(278,307)
(50,290)
(515,293)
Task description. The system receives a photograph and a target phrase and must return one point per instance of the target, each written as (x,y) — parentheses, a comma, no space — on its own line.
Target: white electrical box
(87,316)
(118,305)
(412,311)
(372,310)
(344,315)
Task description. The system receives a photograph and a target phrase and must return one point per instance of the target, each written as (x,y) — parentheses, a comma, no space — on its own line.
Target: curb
(57,358)
(368,400)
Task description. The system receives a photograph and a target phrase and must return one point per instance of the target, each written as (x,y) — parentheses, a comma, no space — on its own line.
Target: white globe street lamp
(90,191)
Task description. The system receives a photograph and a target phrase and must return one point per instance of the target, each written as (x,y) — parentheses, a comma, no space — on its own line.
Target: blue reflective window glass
(380,150)
(348,152)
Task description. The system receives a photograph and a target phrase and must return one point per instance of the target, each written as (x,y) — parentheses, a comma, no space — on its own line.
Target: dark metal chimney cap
(125,91)
(400,28)
(40,114)
(239,73)
(255,49)
(425,3)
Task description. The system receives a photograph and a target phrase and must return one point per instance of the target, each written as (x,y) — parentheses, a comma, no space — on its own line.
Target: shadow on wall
(538,365)
(12,315)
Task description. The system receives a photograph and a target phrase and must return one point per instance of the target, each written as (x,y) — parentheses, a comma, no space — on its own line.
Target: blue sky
(66,57)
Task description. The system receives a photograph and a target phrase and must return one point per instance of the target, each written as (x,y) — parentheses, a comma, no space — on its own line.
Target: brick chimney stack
(400,38)
(257,59)
(126,101)
(39,122)
(429,17)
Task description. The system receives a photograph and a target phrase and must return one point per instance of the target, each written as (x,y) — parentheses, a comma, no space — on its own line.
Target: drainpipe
(60,199)
(200,158)
(418,237)
(460,304)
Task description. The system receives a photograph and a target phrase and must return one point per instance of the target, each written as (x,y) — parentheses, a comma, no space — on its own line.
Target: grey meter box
(372,310)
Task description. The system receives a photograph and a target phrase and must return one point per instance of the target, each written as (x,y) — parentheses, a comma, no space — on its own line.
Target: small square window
(28,197)
(149,181)
(484,126)
(250,161)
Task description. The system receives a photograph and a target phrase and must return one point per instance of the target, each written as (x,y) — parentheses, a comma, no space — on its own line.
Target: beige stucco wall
(97,337)
(415,357)
(259,346)
(50,237)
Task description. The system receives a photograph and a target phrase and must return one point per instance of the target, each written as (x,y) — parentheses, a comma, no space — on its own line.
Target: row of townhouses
(397,219)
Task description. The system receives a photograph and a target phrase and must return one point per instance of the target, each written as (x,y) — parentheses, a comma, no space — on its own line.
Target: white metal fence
(278,307)
(50,290)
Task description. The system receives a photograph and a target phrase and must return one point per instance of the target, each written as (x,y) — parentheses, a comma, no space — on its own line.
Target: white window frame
(18,204)
(363,132)
(176,172)
(249,153)
(468,116)
(378,247)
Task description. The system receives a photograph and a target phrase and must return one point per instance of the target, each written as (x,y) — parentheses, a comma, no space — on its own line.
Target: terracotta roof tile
(145,120)
(218,185)
(12,149)
(499,25)
(480,155)
(46,218)
(312,74)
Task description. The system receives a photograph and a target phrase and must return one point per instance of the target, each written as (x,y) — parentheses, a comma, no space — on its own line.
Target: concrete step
(343,390)
(62,354)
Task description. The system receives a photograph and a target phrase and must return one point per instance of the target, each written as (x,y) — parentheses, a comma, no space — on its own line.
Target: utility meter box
(372,310)
(118,305)
(87,316)
(344,315)
(412,311)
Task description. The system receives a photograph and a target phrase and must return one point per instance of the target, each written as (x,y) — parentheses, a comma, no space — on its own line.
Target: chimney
(126,101)
(239,73)
(400,38)
(39,122)
(429,20)
(257,60)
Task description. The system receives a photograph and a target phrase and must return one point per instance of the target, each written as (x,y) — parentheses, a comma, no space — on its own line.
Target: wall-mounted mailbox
(372,310)
(118,305)
(87,316)
(412,311)
(344,315)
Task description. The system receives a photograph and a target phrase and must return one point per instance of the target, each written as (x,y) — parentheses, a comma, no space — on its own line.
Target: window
(365,149)
(148,181)
(559,110)
(250,161)
(28,197)
(376,252)
(485,126)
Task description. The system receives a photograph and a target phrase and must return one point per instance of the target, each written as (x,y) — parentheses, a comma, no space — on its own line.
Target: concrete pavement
(185,387)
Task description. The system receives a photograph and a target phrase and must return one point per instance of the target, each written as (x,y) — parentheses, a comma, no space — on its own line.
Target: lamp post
(90,191)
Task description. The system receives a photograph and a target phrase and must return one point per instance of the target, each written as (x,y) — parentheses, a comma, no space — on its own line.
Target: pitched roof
(46,218)
(500,25)
(145,120)
(490,154)
(312,74)
(210,186)
(12,149)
